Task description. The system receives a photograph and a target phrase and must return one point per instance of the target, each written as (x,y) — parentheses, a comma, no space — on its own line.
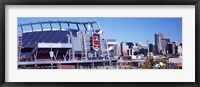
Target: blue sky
(126,29)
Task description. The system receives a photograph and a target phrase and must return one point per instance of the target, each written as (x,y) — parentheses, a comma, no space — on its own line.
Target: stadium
(65,47)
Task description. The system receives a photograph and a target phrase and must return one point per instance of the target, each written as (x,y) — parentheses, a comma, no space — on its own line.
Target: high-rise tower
(158,44)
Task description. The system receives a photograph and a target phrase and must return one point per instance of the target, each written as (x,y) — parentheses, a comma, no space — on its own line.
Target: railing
(64,62)
(32,52)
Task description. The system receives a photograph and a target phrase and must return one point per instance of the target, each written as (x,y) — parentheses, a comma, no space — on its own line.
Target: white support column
(55,56)
(95,54)
(92,27)
(85,45)
(65,56)
(93,65)
(107,49)
(51,53)
(71,39)
(98,25)
(68,39)
(69,52)
(82,43)
(89,26)
(35,56)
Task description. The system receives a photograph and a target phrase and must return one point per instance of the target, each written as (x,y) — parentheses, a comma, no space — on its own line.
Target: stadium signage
(96,42)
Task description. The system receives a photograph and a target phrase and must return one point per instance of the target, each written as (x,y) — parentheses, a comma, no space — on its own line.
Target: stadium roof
(30,39)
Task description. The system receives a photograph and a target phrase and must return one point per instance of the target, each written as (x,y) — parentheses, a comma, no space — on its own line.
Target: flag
(101,32)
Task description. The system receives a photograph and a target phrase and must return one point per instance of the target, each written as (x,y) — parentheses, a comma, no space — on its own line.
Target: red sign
(96,42)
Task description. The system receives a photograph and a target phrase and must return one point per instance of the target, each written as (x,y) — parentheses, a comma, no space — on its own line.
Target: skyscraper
(171,48)
(164,42)
(158,44)
(152,48)
(123,49)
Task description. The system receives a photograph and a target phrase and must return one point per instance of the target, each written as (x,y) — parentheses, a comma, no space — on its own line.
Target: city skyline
(137,29)
(52,43)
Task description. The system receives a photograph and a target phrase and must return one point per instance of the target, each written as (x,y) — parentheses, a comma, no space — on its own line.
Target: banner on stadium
(96,42)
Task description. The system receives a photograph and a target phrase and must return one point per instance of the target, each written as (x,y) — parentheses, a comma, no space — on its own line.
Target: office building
(112,47)
(158,44)
(152,48)
(123,49)
(171,48)
(127,48)
(164,42)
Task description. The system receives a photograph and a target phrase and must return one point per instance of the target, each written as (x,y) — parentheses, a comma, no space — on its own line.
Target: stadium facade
(65,47)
